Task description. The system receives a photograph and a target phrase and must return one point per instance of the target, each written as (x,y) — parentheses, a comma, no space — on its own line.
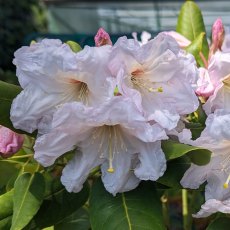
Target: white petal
(77,170)
(195,176)
(212,206)
(29,107)
(152,161)
(114,182)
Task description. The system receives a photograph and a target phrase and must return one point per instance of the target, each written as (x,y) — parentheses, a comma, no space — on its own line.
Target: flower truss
(69,97)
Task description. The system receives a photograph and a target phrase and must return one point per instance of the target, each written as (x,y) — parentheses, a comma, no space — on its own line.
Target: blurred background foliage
(17,19)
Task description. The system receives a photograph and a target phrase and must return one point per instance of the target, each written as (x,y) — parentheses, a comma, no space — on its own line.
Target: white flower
(158,76)
(215,137)
(51,74)
(114,135)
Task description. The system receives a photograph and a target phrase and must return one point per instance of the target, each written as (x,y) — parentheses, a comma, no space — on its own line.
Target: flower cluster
(111,104)
(214,87)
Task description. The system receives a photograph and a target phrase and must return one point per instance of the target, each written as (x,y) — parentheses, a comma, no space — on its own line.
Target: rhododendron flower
(158,76)
(215,137)
(10,142)
(114,135)
(51,74)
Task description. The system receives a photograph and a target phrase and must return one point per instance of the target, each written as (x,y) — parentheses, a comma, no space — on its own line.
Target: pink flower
(102,38)
(10,142)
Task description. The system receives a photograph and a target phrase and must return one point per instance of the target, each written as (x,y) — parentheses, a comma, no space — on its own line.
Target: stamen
(110,169)
(144,83)
(83,93)
(227,182)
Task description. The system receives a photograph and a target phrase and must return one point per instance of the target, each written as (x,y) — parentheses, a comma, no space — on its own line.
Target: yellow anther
(110,170)
(160,90)
(226,182)
(225,185)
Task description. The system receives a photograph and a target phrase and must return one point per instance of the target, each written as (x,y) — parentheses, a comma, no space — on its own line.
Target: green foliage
(28,196)
(173,149)
(139,209)
(221,223)
(79,220)
(190,24)
(7,93)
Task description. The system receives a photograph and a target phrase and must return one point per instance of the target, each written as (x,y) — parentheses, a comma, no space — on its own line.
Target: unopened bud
(10,142)
(217,36)
(102,38)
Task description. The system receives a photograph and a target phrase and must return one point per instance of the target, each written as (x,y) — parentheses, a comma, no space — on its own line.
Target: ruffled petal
(195,176)
(115,181)
(77,170)
(152,161)
(212,206)
(29,107)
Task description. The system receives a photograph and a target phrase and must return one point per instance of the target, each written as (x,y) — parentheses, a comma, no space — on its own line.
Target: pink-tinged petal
(212,206)
(204,83)
(10,142)
(102,38)
(152,161)
(181,40)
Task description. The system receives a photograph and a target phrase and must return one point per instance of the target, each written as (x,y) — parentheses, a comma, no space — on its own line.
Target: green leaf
(75,47)
(6,204)
(5,223)
(190,24)
(28,195)
(7,171)
(221,223)
(78,220)
(139,209)
(174,172)
(7,93)
(59,205)
(173,149)
(196,47)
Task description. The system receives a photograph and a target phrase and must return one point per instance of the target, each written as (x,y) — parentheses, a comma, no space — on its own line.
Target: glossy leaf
(7,93)
(174,172)
(28,195)
(59,205)
(5,223)
(6,205)
(78,220)
(221,223)
(196,47)
(190,24)
(7,171)
(173,149)
(139,209)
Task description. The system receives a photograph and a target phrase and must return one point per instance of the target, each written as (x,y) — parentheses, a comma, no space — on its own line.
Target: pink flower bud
(10,142)
(102,38)
(217,36)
